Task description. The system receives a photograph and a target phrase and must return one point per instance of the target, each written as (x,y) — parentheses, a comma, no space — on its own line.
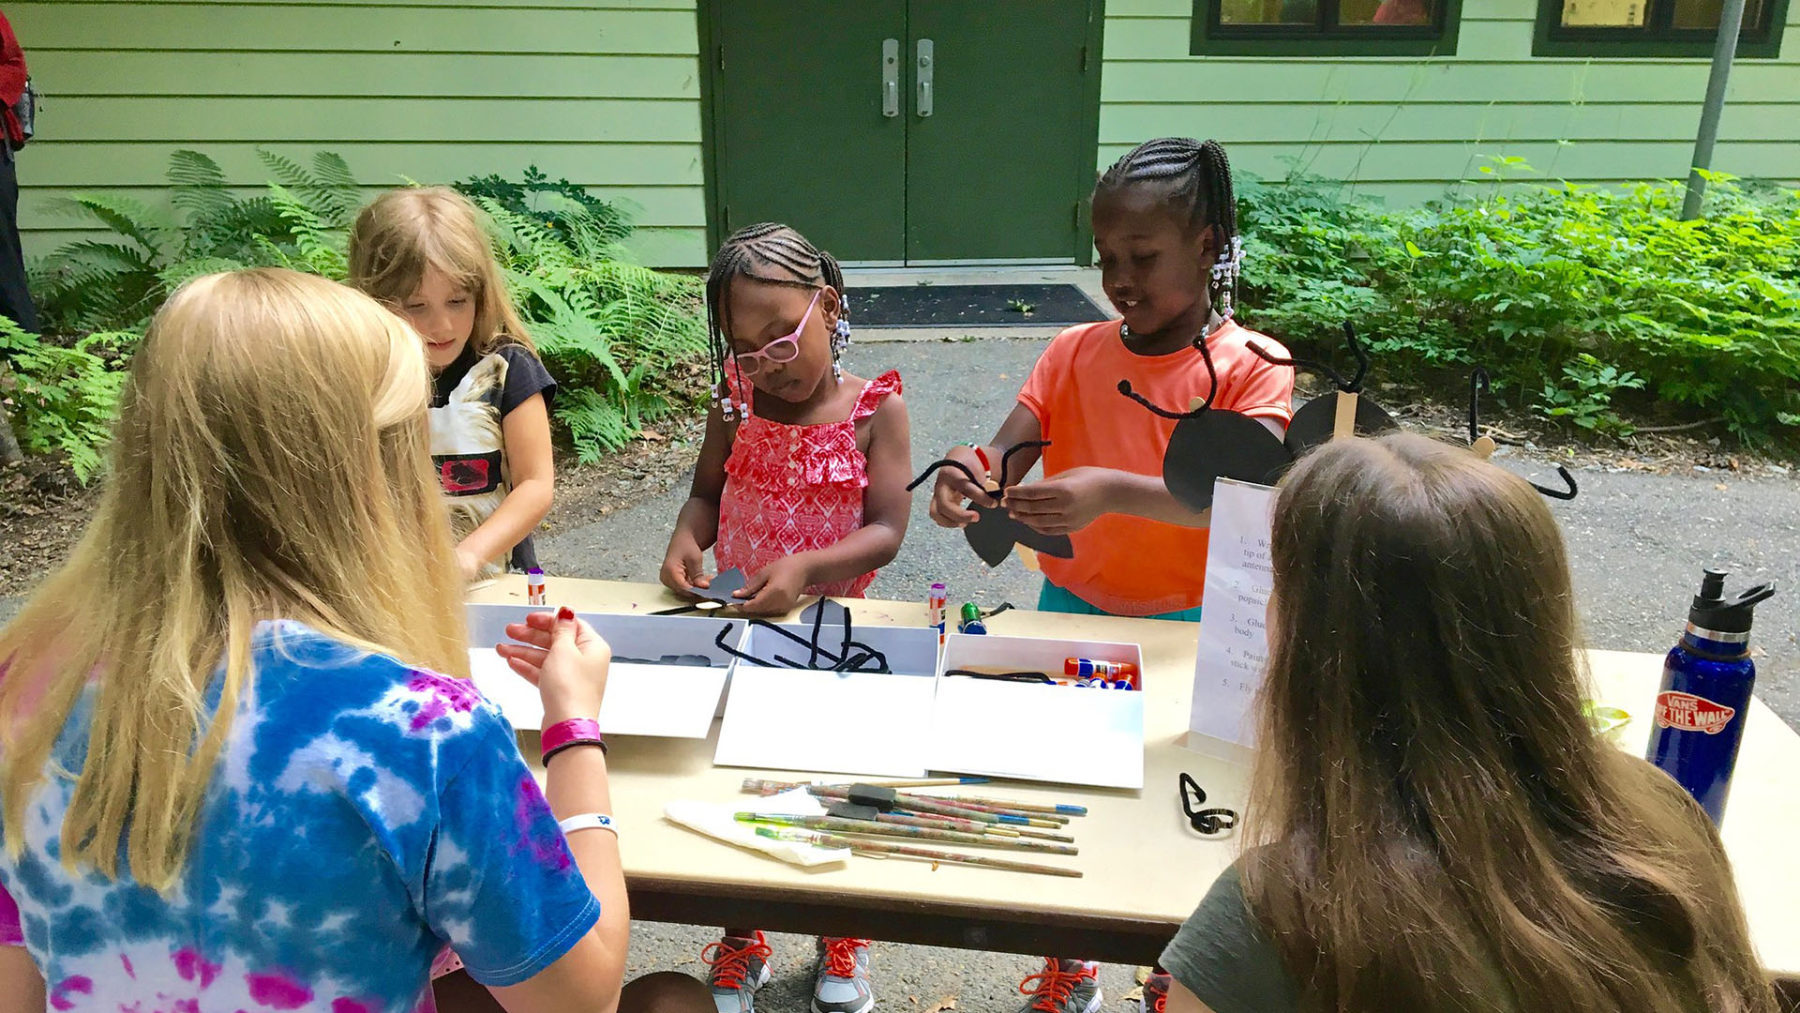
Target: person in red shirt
(15,299)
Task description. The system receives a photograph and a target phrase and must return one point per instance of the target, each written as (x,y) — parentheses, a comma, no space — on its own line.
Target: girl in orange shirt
(1165,226)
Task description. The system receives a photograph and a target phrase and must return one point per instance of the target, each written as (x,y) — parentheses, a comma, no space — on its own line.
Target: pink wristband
(573,732)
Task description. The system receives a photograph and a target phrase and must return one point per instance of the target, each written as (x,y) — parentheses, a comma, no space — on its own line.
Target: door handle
(890,77)
(926,62)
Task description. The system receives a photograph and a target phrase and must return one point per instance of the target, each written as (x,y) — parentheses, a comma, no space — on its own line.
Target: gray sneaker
(843,983)
(1063,986)
(739,967)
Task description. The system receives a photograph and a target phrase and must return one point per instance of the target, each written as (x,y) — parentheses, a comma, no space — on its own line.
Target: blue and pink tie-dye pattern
(363,815)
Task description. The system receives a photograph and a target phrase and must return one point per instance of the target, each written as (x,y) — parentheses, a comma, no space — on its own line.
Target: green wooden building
(892,131)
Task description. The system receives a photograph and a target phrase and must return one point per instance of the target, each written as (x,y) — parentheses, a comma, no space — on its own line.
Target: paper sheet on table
(838,722)
(1234,645)
(720,823)
(672,701)
(1064,734)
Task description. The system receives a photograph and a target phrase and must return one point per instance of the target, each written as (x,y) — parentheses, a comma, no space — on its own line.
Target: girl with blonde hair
(231,773)
(1438,827)
(422,251)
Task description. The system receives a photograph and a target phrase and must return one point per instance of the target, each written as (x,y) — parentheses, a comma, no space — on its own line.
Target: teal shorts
(1055,599)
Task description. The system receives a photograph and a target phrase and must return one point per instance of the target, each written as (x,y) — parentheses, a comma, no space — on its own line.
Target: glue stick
(936,604)
(971,620)
(1087,668)
(534,587)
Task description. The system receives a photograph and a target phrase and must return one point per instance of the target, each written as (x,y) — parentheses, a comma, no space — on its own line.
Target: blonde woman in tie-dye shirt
(232,777)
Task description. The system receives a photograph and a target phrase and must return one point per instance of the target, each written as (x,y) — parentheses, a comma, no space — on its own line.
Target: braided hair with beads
(1196,178)
(777,255)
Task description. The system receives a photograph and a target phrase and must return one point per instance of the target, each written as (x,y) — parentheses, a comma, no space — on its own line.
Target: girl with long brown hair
(1434,825)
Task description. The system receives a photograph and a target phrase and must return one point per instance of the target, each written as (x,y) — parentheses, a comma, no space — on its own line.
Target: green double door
(908,131)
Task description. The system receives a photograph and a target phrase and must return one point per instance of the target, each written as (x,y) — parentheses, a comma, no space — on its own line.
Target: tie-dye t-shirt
(363,815)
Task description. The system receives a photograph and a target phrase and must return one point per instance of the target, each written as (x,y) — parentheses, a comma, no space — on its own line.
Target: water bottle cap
(1712,611)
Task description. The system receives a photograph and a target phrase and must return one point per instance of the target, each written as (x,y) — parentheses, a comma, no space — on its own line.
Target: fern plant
(61,400)
(614,333)
(116,283)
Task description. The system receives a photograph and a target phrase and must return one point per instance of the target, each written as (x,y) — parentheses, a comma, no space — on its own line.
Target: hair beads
(773,253)
(1197,176)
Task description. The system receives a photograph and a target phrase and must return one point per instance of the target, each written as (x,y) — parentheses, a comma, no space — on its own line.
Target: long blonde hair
(1443,829)
(402,232)
(270,461)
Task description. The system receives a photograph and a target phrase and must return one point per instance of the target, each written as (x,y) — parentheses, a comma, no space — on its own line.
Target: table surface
(1145,869)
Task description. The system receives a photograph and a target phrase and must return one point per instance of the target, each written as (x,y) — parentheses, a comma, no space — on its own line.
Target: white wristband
(588,821)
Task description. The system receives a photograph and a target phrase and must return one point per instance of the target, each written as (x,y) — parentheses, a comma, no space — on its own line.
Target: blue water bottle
(1705,696)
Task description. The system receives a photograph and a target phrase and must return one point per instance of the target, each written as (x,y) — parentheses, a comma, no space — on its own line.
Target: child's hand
(564,658)
(469,564)
(684,569)
(1062,505)
(776,590)
(953,490)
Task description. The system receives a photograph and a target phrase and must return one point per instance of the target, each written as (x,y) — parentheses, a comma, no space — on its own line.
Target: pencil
(864,827)
(873,848)
(1005,815)
(940,823)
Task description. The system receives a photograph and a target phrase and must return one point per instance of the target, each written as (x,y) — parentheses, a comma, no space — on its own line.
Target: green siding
(606,94)
(1401,127)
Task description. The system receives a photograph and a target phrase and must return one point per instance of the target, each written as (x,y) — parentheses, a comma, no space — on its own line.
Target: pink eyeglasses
(784,349)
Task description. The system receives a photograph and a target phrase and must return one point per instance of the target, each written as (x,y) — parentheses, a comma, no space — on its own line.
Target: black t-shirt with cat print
(469,399)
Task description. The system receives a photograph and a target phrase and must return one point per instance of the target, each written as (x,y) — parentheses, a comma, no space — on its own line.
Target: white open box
(1031,731)
(666,700)
(838,722)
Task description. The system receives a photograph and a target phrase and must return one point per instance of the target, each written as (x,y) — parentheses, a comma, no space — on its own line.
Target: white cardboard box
(1034,732)
(837,722)
(666,700)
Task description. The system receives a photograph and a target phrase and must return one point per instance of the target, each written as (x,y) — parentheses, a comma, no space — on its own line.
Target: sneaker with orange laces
(739,967)
(1156,993)
(1063,986)
(843,982)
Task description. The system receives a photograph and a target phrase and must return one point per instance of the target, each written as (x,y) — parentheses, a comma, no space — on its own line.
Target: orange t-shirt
(1126,564)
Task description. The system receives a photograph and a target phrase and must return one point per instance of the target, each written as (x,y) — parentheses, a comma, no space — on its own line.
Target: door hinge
(725,217)
(722,58)
(1075,215)
(1084,52)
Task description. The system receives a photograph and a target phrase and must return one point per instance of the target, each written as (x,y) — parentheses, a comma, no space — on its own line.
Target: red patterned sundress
(791,489)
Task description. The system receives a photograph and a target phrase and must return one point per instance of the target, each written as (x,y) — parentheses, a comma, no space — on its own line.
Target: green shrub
(1549,287)
(613,333)
(61,400)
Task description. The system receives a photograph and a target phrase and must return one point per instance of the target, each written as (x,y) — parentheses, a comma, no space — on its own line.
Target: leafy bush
(60,399)
(1568,294)
(566,208)
(614,334)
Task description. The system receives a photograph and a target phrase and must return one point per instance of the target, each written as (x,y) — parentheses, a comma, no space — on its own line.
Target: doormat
(972,306)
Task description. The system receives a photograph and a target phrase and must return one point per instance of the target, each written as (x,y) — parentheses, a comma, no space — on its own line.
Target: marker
(936,604)
(534,587)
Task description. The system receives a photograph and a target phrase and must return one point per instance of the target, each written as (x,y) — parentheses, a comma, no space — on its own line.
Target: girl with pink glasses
(801,482)
(801,485)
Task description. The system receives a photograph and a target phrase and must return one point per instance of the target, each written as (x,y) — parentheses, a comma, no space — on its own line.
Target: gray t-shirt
(1224,957)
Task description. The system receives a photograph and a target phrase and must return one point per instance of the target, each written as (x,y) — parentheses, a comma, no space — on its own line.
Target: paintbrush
(843,826)
(759,786)
(872,848)
(929,805)
(1055,809)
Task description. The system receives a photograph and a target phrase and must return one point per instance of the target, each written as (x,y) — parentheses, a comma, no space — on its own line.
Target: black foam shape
(834,613)
(1315,421)
(1211,445)
(994,532)
(722,587)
